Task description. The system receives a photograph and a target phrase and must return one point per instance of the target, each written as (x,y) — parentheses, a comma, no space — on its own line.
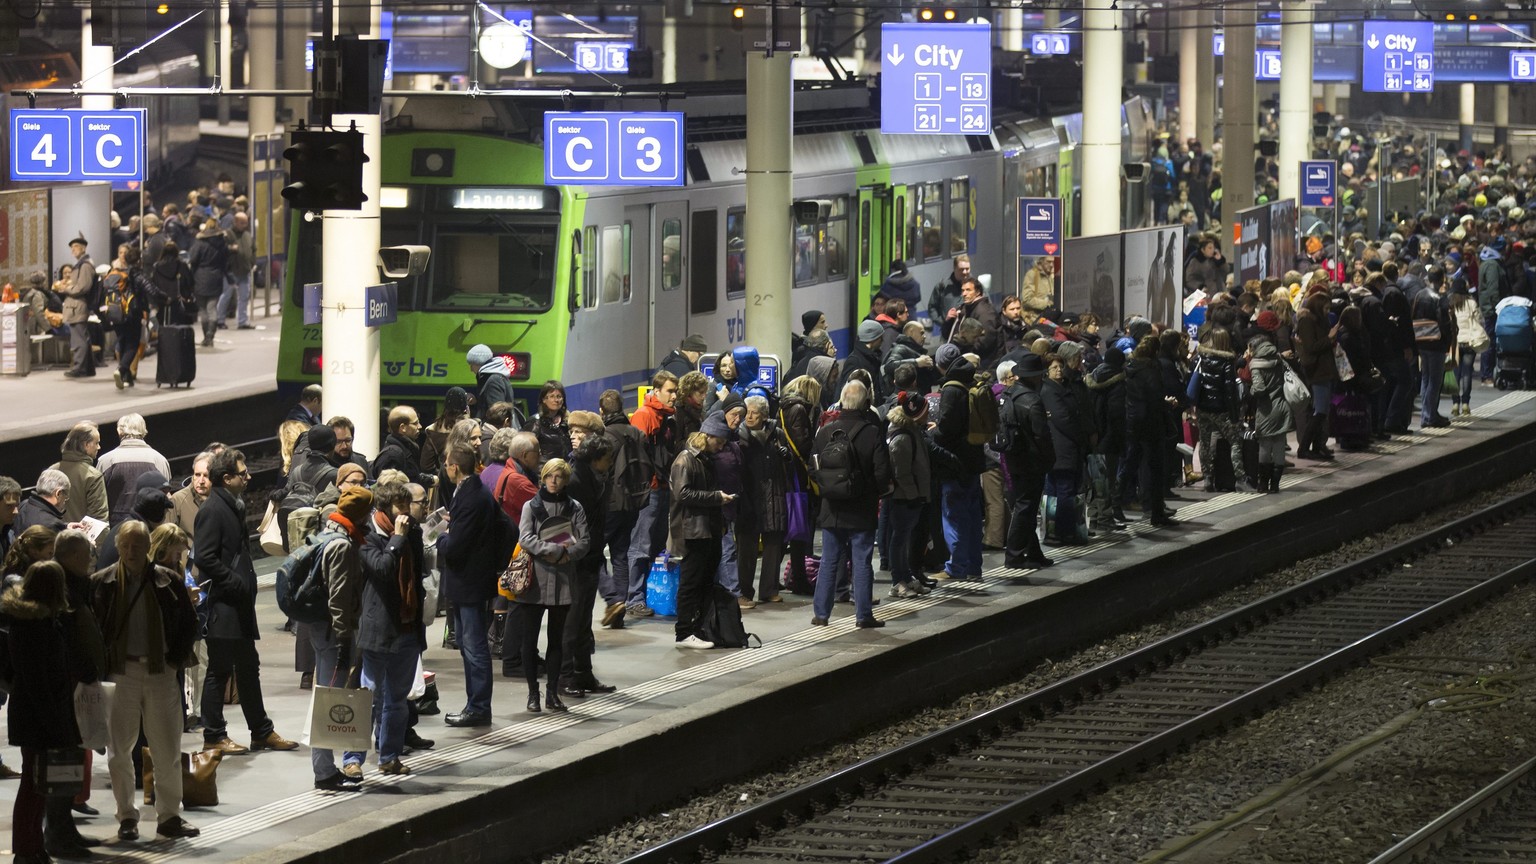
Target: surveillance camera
(1134,171)
(399,262)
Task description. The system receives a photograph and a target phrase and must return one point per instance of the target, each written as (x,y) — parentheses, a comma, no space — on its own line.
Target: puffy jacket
(695,512)
(901,286)
(209,260)
(911,466)
(953,424)
(1107,388)
(1271,413)
(1492,283)
(43,666)
(1217,389)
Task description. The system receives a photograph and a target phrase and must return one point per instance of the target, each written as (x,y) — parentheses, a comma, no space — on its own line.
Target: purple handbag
(797,506)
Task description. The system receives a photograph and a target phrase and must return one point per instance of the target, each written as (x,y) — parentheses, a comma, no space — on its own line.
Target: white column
(350,246)
(1013,29)
(1103,73)
(1237,119)
(770,178)
(226,60)
(1189,74)
(261,33)
(1205,74)
(95,66)
(668,50)
(1295,95)
(861,40)
(1468,114)
(1331,98)
(1501,114)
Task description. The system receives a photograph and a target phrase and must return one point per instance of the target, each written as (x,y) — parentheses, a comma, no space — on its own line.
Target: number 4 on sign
(43,152)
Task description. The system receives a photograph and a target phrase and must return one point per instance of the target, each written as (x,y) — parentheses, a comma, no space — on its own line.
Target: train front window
(494,264)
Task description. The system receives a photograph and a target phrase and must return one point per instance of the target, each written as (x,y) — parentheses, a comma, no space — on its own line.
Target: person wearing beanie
(865,354)
(150,506)
(1106,403)
(341,567)
(434,438)
(1272,418)
(493,381)
(1028,454)
(911,487)
(810,320)
(685,357)
(312,472)
(695,524)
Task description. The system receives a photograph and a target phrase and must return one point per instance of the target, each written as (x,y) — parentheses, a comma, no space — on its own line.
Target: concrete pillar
(770,178)
(1205,74)
(226,61)
(95,67)
(292,33)
(1500,114)
(1331,98)
(1468,114)
(1013,29)
(861,40)
(1189,74)
(668,50)
(1295,95)
(261,30)
(1237,120)
(1103,74)
(350,247)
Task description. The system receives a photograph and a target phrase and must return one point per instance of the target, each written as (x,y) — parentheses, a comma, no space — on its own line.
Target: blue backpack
(302,592)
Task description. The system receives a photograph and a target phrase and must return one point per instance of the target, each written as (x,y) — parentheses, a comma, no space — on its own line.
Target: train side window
(929,215)
(835,239)
(959,216)
(615,265)
(703,260)
(735,252)
(865,229)
(589,268)
(806,236)
(671,256)
(629,284)
(901,231)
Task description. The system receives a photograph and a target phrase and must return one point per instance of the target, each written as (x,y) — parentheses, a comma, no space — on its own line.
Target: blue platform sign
(1266,64)
(380,304)
(1398,57)
(64,144)
(609,148)
(1050,43)
(936,79)
(1318,183)
(1522,65)
(1039,227)
(312,313)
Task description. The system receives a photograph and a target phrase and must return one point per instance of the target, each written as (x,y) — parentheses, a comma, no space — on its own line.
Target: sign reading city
(936,79)
(1398,57)
(609,148)
(1317,183)
(1039,227)
(1522,65)
(1050,43)
(63,144)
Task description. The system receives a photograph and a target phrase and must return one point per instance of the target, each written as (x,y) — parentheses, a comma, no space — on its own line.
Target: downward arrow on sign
(895,55)
(1373,42)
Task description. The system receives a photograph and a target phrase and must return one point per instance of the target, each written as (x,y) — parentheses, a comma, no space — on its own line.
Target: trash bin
(15,342)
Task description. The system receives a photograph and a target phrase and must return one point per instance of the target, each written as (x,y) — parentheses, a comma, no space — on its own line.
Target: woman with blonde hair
(287,437)
(798,416)
(553,530)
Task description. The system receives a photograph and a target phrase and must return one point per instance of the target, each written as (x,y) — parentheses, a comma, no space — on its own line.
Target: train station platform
(239,368)
(684,720)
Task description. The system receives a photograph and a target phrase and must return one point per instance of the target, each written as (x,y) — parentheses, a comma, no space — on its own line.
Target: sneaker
(335,783)
(613,612)
(393,768)
(774,599)
(226,746)
(903,590)
(640,610)
(745,603)
(273,741)
(176,827)
(117,378)
(352,771)
(694,642)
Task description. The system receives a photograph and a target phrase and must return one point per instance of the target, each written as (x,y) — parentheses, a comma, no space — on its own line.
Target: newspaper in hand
(434,525)
(93,527)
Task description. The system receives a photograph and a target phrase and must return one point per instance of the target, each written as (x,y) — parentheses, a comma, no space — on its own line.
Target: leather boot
(1263,482)
(1274,477)
(1319,424)
(533,701)
(1247,483)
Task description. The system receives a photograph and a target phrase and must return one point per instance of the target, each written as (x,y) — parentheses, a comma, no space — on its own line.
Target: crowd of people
(173,264)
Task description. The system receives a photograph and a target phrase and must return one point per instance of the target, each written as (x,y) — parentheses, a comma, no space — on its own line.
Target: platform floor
(241,363)
(270,812)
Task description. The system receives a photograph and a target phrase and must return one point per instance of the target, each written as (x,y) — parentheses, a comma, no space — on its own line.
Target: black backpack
(834,464)
(117,296)
(302,592)
(720,622)
(630,472)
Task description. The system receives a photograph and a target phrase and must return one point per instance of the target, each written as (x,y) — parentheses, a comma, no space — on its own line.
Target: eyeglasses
(421,501)
(343,440)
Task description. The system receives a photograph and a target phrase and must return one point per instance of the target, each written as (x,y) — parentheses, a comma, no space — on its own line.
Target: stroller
(1514,344)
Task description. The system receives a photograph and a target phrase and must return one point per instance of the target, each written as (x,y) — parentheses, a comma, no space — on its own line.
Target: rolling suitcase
(178,356)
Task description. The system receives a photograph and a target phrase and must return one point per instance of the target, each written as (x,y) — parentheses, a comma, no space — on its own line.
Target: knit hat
(322,438)
(731,400)
(693,342)
(456,401)
(152,504)
(714,426)
(347,469)
(1069,349)
(1114,358)
(808,320)
(355,504)
(870,330)
(912,404)
(478,356)
(948,353)
(1268,321)
(151,479)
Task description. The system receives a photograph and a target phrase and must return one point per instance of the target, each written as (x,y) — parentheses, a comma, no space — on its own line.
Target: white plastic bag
(93,713)
(340,719)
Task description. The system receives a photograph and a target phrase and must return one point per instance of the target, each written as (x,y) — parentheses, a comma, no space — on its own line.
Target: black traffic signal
(325,170)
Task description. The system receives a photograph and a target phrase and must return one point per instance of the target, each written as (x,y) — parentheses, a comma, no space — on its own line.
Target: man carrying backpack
(343,533)
(852,467)
(1025,442)
(957,464)
(631,475)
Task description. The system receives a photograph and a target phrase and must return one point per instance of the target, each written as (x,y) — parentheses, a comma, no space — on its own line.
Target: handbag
(1341,359)
(1426,330)
(93,712)
(340,718)
(518,575)
(272,532)
(797,509)
(199,778)
(1296,390)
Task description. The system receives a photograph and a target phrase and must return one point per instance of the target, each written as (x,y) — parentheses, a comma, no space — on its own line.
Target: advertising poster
(1282,237)
(1091,277)
(1154,274)
(1253,256)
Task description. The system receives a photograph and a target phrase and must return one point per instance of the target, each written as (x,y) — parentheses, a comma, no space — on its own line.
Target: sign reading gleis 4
(936,79)
(609,148)
(62,144)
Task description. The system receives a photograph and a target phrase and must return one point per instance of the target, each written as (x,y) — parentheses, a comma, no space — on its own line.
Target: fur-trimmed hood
(15,606)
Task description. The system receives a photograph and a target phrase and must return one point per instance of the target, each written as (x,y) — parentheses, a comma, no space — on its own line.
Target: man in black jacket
(958,464)
(390,630)
(865,355)
(223,558)
(848,522)
(400,450)
(974,305)
(1028,454)
(472,558)
(631,483)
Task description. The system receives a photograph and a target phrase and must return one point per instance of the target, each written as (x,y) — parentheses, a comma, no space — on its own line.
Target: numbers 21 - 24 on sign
(935,79)
(610,148)
(77,144)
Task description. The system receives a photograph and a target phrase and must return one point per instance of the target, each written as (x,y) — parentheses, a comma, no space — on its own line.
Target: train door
(874,260)
(667,321)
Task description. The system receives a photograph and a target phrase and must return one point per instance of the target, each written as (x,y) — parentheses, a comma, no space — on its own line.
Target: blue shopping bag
(661,587)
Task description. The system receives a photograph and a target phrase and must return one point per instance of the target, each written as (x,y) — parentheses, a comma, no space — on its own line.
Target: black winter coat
(954,423)
(1144,406)
(862,512)
(1034,449)
(404,455)
(767,460)
(223,557)
(378,620)
(209,260)
(43,666)
(35,510)
(470,561)
(1066,421)
(1106,386)
(861,357)
(590,489)
(1217,390)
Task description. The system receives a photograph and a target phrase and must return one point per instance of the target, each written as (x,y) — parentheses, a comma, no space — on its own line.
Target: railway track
(951,790)
(1496,824)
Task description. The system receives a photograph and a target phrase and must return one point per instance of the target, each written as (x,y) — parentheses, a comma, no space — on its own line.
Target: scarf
(357,533)
(405,575)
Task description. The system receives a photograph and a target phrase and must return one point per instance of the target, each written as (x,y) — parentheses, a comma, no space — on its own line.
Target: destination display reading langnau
(936,79)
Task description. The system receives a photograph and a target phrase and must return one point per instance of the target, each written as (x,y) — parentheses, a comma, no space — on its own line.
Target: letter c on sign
(101,151)
(570,154)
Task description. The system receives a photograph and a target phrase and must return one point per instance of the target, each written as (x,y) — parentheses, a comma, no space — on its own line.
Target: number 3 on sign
(43,152)
(650,158)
